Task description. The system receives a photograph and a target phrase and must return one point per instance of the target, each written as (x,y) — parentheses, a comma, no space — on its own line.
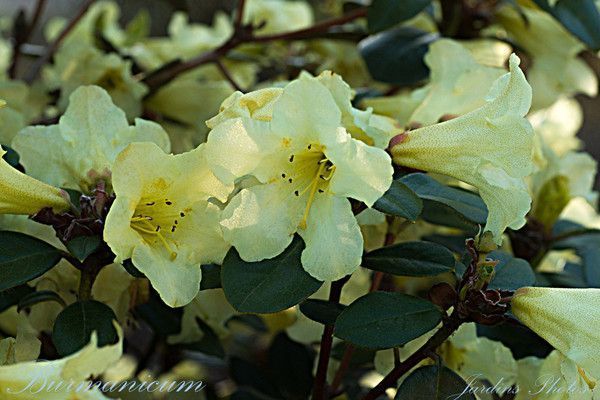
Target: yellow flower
(32,380)
(278,16)
(162,218)
(490,148)
(82,147)
(307,165)
(566,318)
(22,194)
(458,85)
(555,69)
(374,130)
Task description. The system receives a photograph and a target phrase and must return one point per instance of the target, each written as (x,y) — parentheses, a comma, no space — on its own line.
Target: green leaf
(400,201)
(511,272)
(396,56)
(267,286)
(580,17)
(290,364)
(11,297)
(41,296)
(75,324)
(381,320)
(322,311)
(384,14)
(23,258)
(163,320)
(209,344)
(11,157)
(586,243)
(82,246)
(211,277)
(448,206)
(411,259)
(433,382)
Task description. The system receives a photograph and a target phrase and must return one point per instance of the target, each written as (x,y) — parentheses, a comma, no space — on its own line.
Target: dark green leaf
(132,269)
(511,272)
(400,201)
(163,320)
(446,205)
(267,286)
(322,311)
(23,258)
(11,297)
(455,243)
(211,277)
(74,196)
(433,382)
(396,56)
(209,344)
(521,341)
(82,246)
(39,297)
(384,14)
(11,157)
(381,320)
(75,324)
(586,243)
(290,365)
(580,17)
(411,259)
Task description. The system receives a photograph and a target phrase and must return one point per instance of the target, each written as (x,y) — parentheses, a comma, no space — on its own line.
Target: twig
(450,325)
(241,35)
(227,75)
(53,47)
(239,18)
(319,388)
(19,40)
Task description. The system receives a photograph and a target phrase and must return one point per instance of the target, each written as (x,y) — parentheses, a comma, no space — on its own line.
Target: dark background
(203,10)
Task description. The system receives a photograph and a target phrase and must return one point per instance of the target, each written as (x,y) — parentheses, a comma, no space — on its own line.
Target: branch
(239,18)
(22,39)
(53,47)
(449,326)
(241,35)
(319,387)
(228,76)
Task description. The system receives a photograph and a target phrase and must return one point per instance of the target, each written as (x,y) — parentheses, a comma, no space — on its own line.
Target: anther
(292,158)
(158,228)
(321,190)
(182,214)
(167,202)
(283,175)
(297,193)
(151,204)
(290,180)
(173,228)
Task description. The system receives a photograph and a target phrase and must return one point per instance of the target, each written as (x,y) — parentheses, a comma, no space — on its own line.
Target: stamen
(292,158)
(182,214)
(313,189)
(167,202)
(156,232)
(151,203)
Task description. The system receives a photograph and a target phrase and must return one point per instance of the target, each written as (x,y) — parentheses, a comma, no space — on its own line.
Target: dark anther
(150,204)
(297,193)
(292,158)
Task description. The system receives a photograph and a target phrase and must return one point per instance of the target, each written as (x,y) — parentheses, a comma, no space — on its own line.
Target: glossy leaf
(384,14)
(396,56)
(23,258)
(41,296)
(321,311)
(267,286)
(400,201)
(381,320)
(82,246)
(75,324)
(411,259)
(580,17)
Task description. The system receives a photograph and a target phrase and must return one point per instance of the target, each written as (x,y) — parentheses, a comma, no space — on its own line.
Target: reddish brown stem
(320,385)
(450,325)
(227,75)
(155,80)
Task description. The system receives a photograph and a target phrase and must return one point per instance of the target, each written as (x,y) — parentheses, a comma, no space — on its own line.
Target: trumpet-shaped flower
(566,319)
(162,218)
(490,148)
(374,130)
(69,376)
(458,85)
(307,165)
(82,147)
(555,68)
(22,194)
